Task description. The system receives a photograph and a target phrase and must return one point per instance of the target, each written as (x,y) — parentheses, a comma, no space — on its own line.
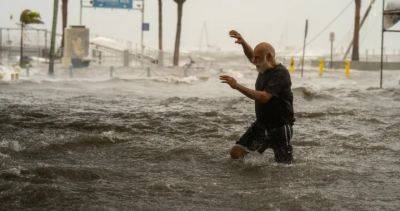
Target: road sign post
(304,48)
(332,39)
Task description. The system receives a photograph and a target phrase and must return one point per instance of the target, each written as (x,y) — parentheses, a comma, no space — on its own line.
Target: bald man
(273,104)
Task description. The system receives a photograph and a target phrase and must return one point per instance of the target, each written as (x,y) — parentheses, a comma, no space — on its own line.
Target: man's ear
(270,59)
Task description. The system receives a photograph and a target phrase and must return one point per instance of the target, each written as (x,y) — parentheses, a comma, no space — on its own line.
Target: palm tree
(178,31)
(64,19)
(160,41)
(27,17)
(53,38)
(355,56)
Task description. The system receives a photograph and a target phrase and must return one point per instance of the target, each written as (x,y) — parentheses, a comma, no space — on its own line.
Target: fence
(36,43)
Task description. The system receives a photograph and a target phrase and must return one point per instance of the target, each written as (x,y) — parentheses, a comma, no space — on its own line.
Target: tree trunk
(160,33)
(64,19)
(21,48)
(355,56)
(178,32)
(53,38)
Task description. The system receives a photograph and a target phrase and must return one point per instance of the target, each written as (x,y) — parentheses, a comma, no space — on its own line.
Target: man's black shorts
(257,138)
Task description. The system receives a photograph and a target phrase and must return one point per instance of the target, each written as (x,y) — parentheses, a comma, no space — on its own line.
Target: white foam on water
(15,146)
(233,73)
(175,80)
(7,71)
(255,159)
(10,144)
(4,155)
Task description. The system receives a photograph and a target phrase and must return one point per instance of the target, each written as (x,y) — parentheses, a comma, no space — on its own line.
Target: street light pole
(142,34)
(304,48)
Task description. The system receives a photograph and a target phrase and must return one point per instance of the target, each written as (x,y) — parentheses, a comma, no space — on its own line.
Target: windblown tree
(356,38)
(27,17)
(160,32)
(64,19)
(178,31)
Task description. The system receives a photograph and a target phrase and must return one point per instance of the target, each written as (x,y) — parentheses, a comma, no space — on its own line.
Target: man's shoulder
(280,71)
(280,68)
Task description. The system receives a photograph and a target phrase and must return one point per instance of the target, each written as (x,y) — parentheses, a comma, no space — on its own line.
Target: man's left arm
(260,96)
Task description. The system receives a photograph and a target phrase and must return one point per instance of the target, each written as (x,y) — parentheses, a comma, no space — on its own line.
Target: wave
(373,120)
(328,112)
(36,114)
(163,79)
(161,186)
(310,114)
(310,94)
(10,147)
(352,146)
(50,173)
(187,154)
(307,143)
(79,143)
(199,101)
(70,173)
(176,80)
(67,81)
(395,127)
(21,82)
(384,147)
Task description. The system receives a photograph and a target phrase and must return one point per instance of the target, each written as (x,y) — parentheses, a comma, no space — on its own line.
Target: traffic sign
(332,36)
(146,27)
(115,4)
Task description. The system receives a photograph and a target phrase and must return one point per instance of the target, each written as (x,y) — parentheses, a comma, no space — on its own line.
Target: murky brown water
(145,144)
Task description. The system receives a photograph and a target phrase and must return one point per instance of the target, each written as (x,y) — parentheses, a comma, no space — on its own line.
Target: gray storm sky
(280,22)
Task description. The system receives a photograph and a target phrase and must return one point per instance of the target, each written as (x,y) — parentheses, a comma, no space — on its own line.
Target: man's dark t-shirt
(278,111)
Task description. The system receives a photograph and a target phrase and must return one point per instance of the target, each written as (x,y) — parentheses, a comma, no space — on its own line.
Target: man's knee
(238,152)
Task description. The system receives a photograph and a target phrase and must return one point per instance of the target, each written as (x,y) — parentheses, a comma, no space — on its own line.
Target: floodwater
(163,144)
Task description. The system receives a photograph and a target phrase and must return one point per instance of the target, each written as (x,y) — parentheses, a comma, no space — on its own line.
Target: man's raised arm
(248,50)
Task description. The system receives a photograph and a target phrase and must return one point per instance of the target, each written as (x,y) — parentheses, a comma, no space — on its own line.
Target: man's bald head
(264,56)
(264,48)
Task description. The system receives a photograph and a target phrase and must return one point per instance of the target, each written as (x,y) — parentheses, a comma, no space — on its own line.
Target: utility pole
(361,25)
(356,38)
(304,48)
(53,38)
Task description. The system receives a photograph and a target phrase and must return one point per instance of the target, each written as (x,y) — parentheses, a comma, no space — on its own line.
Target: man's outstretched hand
(229,80)
(237,36)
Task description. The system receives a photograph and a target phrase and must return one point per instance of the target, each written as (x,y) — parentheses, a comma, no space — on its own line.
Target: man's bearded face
(261,62)
(264,57)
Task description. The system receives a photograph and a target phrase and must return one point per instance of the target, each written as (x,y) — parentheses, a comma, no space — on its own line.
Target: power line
(346,37)
(330,23)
